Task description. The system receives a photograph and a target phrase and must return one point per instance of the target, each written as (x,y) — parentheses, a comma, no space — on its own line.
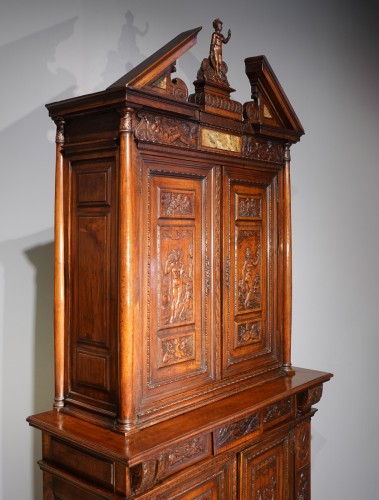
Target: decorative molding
(216,101)
(162,129)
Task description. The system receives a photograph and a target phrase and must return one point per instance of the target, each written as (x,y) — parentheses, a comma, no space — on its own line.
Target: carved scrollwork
(165,130)
(308,398)
(175,88)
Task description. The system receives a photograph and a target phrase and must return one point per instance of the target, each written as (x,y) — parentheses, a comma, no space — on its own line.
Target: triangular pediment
(270,112)
(160,63)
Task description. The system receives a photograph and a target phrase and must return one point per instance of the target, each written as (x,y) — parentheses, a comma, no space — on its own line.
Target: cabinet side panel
(92,283)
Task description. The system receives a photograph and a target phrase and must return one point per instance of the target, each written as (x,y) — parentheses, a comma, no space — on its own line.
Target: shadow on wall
(127,55)
(27,364)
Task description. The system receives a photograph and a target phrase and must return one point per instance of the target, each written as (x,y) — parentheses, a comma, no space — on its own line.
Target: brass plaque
(221,140)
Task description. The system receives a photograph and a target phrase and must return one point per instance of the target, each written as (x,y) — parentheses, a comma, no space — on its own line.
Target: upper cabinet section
(226,126)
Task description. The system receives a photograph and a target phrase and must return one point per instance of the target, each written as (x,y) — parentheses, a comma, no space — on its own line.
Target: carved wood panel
(265,471)
(250,266)
(177,281)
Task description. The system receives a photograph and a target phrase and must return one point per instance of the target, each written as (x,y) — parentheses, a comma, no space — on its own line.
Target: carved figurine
(215,51)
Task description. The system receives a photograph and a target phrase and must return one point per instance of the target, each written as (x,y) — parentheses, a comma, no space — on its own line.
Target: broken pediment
(269,112)
(155,71)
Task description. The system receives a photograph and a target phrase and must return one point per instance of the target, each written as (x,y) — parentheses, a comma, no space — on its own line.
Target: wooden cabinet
(173,375)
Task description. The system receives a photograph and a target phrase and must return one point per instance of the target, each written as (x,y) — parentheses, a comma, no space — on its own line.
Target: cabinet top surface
(134,446)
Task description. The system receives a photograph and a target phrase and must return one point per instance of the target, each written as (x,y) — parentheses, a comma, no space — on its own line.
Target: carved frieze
(263,150)
(236,430)
(162,129)
(277,410)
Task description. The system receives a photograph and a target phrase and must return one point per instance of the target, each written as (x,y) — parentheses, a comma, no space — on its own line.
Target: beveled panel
(92,370)
(94,186)
(92,285)
(82,463)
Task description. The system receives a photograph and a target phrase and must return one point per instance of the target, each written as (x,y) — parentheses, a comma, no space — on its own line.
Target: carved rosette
(161,129)
(259,149)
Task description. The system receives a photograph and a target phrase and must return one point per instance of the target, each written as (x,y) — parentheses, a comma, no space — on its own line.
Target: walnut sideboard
(172,325)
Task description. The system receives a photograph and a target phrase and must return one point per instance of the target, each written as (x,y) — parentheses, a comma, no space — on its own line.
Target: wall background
(325,56)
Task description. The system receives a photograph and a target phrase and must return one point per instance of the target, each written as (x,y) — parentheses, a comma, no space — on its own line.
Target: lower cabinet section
(240,448)
(276,467)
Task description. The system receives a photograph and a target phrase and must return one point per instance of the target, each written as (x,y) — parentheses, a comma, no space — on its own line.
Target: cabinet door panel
(249,339)
(265,471)
(177,284)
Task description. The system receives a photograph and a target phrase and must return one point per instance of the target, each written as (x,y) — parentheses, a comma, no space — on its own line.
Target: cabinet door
(178,341)
(264,470)
(250,339)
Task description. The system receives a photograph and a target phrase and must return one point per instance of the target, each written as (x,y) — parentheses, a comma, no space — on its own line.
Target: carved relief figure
(177,204)
(250,207)
(178,299)
(177,349)
(249,332)
(215,51)
(250,281)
